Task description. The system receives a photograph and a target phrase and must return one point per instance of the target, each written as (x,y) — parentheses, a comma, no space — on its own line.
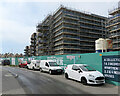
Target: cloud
(18,18)
(15,31)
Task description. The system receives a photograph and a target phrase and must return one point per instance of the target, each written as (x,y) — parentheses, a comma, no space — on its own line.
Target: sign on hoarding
(58,60)
(13,61)
(111,67)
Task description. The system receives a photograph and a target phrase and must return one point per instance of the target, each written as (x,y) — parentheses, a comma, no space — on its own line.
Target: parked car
(23,64)
(50,66)
(84,74)
(5,62)
(35,64)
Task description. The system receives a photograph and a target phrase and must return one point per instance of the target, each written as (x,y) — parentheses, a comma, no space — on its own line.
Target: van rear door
(37,64)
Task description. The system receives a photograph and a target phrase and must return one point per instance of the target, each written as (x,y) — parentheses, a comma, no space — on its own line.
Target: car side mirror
(79,71)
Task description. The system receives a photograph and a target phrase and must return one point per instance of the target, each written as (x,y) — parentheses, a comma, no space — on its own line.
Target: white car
(50,66)
(35,64)
(84,74)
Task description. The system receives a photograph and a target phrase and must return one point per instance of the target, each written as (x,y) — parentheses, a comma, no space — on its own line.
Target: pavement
(23,81)
(10,84)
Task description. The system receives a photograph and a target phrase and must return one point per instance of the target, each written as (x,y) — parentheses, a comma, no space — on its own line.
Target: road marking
(8,75)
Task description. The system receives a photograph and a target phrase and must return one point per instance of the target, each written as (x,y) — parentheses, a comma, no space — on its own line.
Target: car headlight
(91,75)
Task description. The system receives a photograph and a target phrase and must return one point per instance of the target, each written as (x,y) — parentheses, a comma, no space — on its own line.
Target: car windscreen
(24,62)
(87,68)
(28,62)
(53,64)
(37,61)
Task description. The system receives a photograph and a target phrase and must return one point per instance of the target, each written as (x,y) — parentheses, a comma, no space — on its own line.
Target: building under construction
(27,51)
(113,27)
(31,50)
(69,31)
(33,44)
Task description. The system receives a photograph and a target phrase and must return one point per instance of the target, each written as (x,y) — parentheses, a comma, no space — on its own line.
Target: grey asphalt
(32,83)
(9,83)
(35,82)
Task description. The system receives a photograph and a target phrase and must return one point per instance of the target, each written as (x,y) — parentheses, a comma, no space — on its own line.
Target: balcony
(59,53)
(72,42)
(89,36)
(71,15)
(113,23)
(71,26)
(114,11)
(58,43)
(71,23)
(114,34)
(86,40)
(92,27)
(68,16)
(116,41)
(116,46)
(93,46)
(90,18)
(71,37)
(91,23)
(57,28)
(58,38)
(42,48)
(57,14)
(94,32)
(58,24)
(58,19)
(71,46)
(40,34)
(115,29)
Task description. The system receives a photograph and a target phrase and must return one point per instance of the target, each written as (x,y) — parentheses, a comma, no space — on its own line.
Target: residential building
(69,32)
(33,44)
(27,51)
(7,55)
(113,26)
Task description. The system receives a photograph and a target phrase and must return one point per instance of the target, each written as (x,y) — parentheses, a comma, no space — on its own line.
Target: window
(38,62)
(53,64)
(28,62)
(87,68)
(46,64)
(74,67)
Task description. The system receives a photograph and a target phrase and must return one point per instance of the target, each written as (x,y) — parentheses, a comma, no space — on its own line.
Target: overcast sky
(18,19)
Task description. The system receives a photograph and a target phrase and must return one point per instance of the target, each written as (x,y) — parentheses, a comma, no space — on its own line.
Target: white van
(35,64)
(50,66)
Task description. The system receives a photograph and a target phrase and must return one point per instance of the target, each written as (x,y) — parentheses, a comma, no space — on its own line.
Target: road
(9,83)
(23,81)
(33,83)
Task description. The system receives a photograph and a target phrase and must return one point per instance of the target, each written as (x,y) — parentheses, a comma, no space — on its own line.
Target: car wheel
(33,68)
(84,81)
(66,75)
(41,70)
(50,72)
